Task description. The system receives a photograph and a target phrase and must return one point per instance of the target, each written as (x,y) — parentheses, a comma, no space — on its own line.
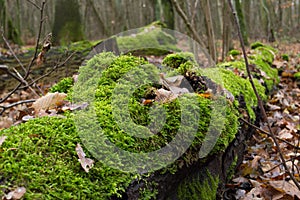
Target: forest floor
(261,174)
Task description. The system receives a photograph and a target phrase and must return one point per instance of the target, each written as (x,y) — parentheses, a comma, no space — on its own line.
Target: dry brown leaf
(2,139)
(16,194)
(86,163)
(49,101)
(254,194)
(285,134)
(285,187)
(255,162)
(164,96)
(5,122)
(40,58)
(273,107)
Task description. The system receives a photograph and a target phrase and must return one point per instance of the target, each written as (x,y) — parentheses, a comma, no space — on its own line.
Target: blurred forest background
(74,20)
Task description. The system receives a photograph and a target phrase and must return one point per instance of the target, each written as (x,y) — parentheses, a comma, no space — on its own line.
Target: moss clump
(45,161)
(40,155)
(285,57)
(199,189)
(116,78)
(181,62)
(64,85)
(234,52)
(149,40)
(267,53)
(148,192)
(262,60)
(231,170)
(297,75)
(256,44)
(238,86)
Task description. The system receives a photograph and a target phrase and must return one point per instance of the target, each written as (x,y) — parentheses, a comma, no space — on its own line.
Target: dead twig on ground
(3,108)
(260,102)
(267,133)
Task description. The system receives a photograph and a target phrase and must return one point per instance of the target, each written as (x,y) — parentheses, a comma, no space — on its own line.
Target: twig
(189,25)
(291,159)
(6,70)
(194,11)
(27,71)
(37,40)
(48,73)
(22,80)
(15,104)
(267,133)
(38,7)
(12,52)
(260,103)
(10,93)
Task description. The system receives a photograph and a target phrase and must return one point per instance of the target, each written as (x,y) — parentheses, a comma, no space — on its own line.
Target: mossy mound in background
(149,40)
(261,60)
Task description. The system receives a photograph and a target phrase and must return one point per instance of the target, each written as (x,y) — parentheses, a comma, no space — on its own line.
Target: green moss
(80,46)
(231,170)
(199,189)
(112,80)
(271,76)
(285,57)
(64,85)
(234,52)
(181,62)
(45,161)
(148,192)
(297,75)
(40,155)
(267,53)
(256,44)
(238,86)
(261,59)
(149,40)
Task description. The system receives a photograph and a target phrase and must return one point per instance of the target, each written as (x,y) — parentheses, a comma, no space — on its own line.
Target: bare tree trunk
(241,21)
(226,36)
(269,11)
(209,29)
(280,15)
(248,13)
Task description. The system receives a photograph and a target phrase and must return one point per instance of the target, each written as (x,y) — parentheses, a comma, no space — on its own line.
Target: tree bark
(227,26)
(241,21)
(209,29)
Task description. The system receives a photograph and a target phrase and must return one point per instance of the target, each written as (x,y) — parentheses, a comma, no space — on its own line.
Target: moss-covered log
(40,154)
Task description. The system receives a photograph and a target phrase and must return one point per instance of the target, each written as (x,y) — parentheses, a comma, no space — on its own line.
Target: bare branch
(194,11)
(10,93)
(12,52)
(5,69)
(27,71)
(260,102)
(37,40)
(22,80)
(189,25)
(15,104)
(267,133)
(48,73)
(34,4)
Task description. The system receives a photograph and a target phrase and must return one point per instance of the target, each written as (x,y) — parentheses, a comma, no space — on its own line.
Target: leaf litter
(262,167)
